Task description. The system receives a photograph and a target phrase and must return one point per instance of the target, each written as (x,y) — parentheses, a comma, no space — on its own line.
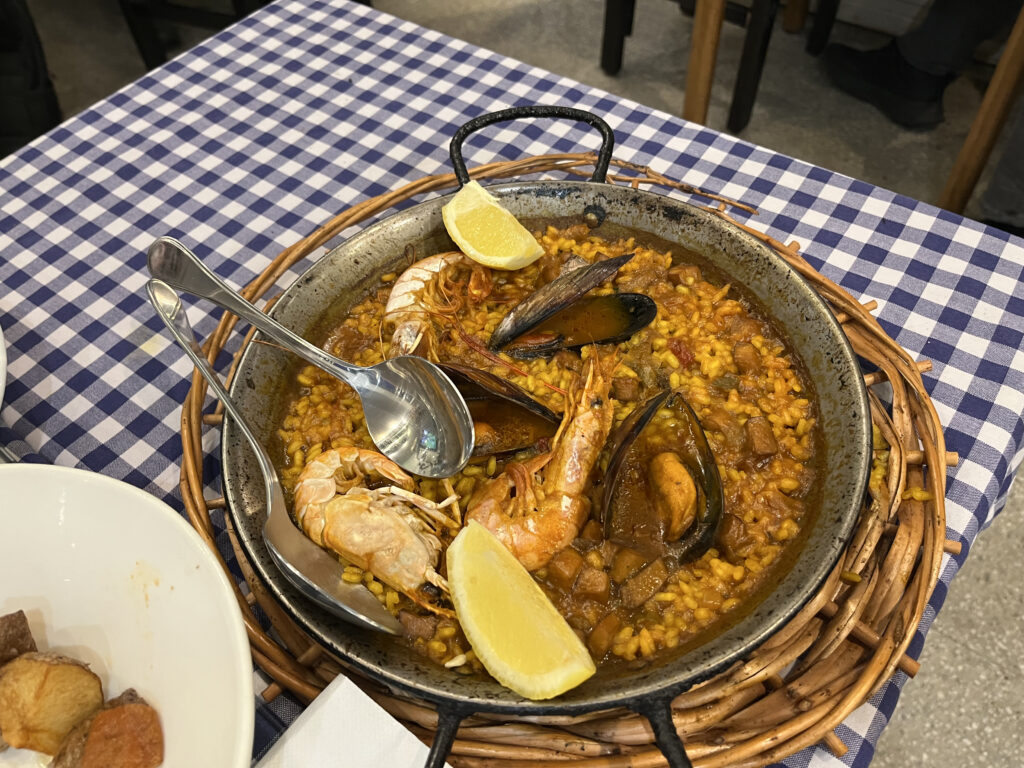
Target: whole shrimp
(549,505)
(419,293)
(389,531)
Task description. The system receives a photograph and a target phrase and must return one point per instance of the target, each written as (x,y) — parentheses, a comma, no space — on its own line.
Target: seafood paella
(644,443)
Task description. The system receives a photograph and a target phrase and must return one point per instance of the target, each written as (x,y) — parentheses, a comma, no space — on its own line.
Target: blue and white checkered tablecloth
(266,130)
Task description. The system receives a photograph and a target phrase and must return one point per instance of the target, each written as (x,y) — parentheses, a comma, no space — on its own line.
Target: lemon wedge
(486,232)
(514,629)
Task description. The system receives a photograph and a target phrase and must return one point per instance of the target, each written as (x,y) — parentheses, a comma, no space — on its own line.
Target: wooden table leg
(985,129)
(707,27)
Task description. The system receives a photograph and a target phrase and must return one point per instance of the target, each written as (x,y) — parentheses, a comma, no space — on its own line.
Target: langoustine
(390,530)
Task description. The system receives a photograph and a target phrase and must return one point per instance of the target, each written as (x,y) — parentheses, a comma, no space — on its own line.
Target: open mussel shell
(505,417)
(695,454)
(605,319)
(617,318)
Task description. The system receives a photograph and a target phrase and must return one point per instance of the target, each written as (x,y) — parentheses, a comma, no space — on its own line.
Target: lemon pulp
(487,232)
(515,631)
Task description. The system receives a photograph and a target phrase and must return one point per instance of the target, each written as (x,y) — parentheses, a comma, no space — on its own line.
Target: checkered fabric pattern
(266,130)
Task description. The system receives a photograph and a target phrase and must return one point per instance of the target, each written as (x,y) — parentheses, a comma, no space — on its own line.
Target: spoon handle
(176,265)
(170,310)
(310,569)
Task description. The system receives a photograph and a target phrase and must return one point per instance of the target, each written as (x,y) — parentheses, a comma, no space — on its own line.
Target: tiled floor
(965,707)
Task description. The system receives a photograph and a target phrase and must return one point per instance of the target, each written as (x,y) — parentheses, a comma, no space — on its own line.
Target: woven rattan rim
(790,693)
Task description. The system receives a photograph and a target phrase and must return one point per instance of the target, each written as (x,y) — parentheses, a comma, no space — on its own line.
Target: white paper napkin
(345,727)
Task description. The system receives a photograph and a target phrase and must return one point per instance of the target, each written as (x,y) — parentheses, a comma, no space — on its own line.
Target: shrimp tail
(537,508)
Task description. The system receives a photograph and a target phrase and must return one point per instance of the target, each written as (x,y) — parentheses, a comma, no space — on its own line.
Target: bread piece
(15,636)
(125,733)
(42,697)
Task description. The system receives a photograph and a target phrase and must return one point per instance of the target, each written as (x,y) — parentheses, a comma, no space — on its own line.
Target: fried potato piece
(42,697)
(125,733)
(15,636)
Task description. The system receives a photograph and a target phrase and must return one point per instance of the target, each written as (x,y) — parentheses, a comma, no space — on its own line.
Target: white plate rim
(3,365)
(238,637)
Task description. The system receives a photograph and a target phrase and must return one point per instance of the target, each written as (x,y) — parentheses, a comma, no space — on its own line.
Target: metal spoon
(414,414)
(309,568)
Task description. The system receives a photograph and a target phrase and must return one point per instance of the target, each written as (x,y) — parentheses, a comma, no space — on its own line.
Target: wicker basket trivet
(794,690)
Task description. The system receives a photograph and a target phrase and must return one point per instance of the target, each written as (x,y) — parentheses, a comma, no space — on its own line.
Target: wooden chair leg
(822,26)
(700,72)
(147,39)
(755,48)
(794,16)
(987,123)
(618,22)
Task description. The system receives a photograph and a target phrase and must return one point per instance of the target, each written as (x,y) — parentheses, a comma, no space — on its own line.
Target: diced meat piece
(734,540)
(642,587)
(601,636)
(577,619)
(550,267)
(593,611)
(681,274)
(608,550)
(744,328)
(725,383)
(760,437)
(347,342)
(592,531)
(418,626)
(576,232)
(747,358)
(564,358)
(650,376)
(625,388)
(719,419)
(592,584)
(15,636)
(639,276)
(750,388)
(564,567)
(627,562)
(784,506)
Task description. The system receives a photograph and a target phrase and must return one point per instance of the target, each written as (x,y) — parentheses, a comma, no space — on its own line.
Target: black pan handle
(659,713)
(448,720)
(604,156)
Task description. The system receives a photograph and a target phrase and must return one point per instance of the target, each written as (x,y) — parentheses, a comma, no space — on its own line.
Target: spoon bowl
(414,414)
(314,572)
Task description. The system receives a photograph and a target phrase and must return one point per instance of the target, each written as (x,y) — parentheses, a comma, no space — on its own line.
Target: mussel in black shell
(661,492)
(505,418)
(559,315)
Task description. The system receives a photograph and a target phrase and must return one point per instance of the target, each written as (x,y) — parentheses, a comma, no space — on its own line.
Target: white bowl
(111,575)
